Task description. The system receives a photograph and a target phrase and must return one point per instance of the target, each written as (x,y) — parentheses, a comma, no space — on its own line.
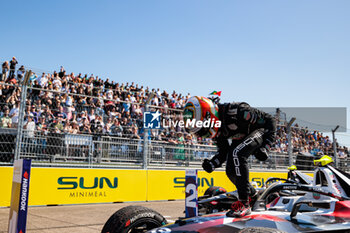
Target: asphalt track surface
(88,218)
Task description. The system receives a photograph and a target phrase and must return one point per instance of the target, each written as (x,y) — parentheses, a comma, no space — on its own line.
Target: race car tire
(133,217)
(214,190)
(260,230)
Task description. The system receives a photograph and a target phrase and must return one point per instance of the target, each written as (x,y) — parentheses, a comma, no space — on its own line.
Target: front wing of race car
(336,218)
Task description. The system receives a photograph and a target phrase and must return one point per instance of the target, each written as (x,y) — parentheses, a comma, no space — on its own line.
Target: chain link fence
(79,150)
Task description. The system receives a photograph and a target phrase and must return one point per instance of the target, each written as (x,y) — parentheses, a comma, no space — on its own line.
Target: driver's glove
(261,154)
(208,166)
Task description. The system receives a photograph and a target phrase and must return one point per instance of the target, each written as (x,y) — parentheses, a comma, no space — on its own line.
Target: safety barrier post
(335,146)
(21,114)
(290,144)
(145,135)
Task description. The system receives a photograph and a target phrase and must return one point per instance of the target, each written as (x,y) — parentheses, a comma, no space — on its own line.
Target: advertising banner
(76,186)
(191,200)
(56,186)
(19,196)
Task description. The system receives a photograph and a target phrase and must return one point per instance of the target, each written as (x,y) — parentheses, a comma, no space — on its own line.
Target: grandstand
(81,119)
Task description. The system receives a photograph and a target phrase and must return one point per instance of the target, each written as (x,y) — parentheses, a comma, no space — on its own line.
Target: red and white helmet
(201,109)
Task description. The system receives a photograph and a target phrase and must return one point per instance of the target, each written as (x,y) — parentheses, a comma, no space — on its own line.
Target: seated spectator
(14,113)
(116,128)
(134,133)
(42,125)
(47,114)
(171,137)
(85,129)
(5,120)
(75,127)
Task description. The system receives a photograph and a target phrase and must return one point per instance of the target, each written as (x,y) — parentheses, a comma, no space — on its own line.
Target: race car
(217,199)
(325,207)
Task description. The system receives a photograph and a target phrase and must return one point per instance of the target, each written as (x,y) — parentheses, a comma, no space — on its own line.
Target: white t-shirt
(57,83)
(132,99)
(69,101)
(30,129)
(43,81)
(14,111)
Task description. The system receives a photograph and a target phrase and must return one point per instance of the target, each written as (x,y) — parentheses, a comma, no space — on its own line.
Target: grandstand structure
(68,120)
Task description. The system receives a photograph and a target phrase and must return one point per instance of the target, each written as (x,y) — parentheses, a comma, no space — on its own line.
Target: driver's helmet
(199,108)
(323,161)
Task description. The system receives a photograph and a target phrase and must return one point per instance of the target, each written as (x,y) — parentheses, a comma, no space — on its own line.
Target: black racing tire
(214,190)
(260,230)
(132,219)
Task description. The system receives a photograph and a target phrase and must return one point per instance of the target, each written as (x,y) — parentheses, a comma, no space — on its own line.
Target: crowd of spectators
(306,142)
(63,102)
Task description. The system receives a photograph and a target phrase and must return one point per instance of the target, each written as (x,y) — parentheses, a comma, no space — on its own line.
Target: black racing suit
(244,131)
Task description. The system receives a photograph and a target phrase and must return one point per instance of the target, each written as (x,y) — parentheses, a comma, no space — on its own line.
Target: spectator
(62,72)
(13,64)
(42,125)
(20,74)
(57,84)
(60,113)
(92,115)
(30,127)
(59,124)
(35,92)
(43,80)
(116,128)
(85,129)
(5,120)
(5,70)
(171,137)
(13,82)
(14,113)
(134,133)
(67,127)
(75,127)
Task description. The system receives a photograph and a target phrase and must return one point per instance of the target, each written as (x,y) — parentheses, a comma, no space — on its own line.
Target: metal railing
(100,151)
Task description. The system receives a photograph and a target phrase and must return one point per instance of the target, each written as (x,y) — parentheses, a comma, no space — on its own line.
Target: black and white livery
(324,207)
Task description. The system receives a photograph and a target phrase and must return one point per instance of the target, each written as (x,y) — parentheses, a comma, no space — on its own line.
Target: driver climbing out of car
(238,131)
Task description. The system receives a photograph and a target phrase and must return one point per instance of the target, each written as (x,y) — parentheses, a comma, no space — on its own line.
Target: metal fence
(100,151)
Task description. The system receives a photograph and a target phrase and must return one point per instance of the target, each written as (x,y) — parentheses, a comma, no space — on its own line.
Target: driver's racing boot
(239,209)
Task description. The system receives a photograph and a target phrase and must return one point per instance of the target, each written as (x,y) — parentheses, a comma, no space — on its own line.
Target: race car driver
(243,131)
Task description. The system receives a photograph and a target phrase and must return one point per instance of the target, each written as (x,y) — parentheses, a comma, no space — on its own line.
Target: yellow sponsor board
(165,185)
(6,174)
(74,186)
(55,186)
